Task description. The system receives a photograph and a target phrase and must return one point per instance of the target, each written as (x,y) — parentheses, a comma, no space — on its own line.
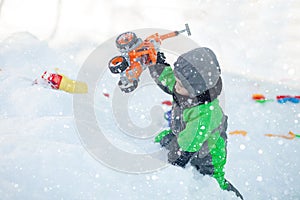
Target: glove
(168,140)
(161,59)
(178,157)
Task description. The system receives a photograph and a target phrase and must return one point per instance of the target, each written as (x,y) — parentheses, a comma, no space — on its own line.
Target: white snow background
(41,156)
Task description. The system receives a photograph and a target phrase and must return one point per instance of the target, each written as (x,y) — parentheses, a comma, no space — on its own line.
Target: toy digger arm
(159,38)
(175,33)
(169,35)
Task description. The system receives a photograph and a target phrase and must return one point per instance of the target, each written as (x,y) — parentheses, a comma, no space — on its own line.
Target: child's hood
(198,70)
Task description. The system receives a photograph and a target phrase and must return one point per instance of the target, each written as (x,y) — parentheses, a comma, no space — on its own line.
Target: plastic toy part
(106,95)
(136,56)
(128,86)
(62,82)
(238,132)
(168,117)
(259,98)
(168,103)
(126,41)
(290,135)
(118,64)
(280,98)
(72,86)
(187,29)
(264,100)
(284,98)
(54,80)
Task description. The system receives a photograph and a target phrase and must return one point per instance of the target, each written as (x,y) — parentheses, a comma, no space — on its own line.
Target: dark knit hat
(198,70)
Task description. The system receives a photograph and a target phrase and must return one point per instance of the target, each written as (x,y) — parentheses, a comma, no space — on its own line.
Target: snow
(42,151)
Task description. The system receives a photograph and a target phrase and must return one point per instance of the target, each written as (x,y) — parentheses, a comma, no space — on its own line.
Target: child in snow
(198,125)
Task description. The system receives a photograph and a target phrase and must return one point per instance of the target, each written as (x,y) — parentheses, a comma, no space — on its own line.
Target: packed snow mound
(21,40)
(23,59)
(23,48)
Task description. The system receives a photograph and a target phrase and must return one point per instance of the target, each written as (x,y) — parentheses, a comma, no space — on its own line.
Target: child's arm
(162,74)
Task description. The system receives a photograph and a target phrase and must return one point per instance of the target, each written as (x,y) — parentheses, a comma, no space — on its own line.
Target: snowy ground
(41,154)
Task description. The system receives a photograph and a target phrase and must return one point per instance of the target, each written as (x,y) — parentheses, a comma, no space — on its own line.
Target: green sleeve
(167,78)
(163,76)
(161,135)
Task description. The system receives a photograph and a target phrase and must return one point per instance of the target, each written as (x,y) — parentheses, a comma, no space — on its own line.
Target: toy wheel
(126,40)
(129,87)
(117,64)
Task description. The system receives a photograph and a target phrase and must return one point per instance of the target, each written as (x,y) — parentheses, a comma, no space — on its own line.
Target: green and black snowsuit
(197,132)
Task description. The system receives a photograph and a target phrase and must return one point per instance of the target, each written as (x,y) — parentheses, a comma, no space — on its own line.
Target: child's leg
(212,158)
(218,150)
(203,161)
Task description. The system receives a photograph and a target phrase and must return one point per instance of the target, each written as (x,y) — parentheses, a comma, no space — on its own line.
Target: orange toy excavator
(136,56)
